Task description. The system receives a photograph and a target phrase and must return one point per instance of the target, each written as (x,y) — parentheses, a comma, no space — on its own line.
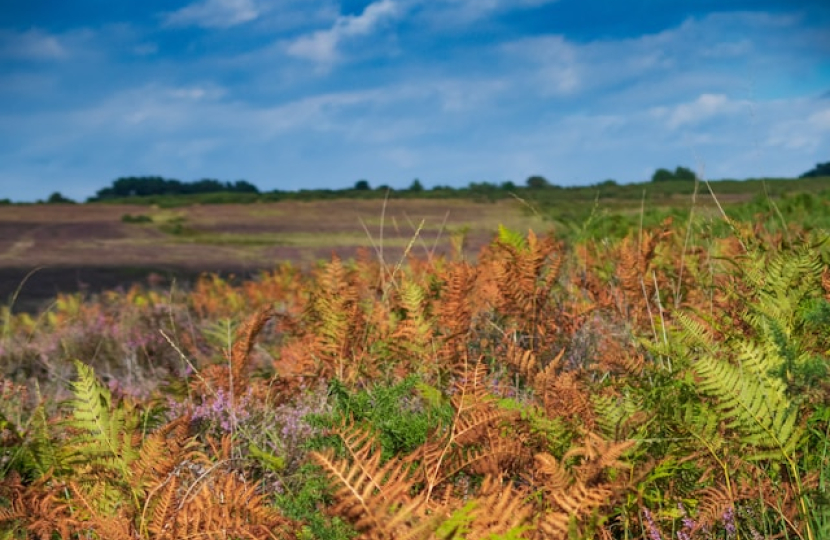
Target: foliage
(138,218)
(140,186)
(680,173)
(537,182)
(820,170)
(668,379)
(58,198)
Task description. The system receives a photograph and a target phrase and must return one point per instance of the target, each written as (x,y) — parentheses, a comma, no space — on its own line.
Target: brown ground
(89,247)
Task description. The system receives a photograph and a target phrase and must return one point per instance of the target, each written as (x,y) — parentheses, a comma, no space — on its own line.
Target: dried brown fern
(228,507)
(40,508)
(243,345)
(573,496)
(233,376)
(475,441)
(565,396)
(375,497)
(499,509)
(598,455)
(454,313)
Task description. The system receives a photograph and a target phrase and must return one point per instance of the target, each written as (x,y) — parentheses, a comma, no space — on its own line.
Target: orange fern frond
(374,497)
(243,344)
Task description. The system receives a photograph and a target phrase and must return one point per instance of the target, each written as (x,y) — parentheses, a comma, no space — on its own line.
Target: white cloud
(31,45)
(213,14)
(705,107)
(322,46)
(552,62)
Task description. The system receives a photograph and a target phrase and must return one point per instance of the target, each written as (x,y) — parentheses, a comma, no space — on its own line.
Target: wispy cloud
(32,44)
(213,14)
(322,46)
(705,107)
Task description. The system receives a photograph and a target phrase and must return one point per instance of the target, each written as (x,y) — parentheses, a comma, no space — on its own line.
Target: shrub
(139,218)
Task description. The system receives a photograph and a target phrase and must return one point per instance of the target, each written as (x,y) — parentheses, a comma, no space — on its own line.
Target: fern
(104,433)
(616,416)
(374,496)
(102,448)
(752,403)
(512,238)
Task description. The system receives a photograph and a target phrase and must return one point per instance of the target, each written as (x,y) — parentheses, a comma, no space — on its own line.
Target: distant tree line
(164,191)
(143,186)
(821,169)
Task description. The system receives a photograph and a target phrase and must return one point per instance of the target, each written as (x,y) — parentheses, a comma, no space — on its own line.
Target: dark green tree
(416,186)
(58,198)
(821,169)
(685,174)
(243,186)
(662,175)
(362,185)
(140,186)
(537,182)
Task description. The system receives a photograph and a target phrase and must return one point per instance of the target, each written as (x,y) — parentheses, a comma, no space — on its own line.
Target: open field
(91,247)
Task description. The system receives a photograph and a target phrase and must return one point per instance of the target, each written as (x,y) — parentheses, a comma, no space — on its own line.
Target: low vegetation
(668,380)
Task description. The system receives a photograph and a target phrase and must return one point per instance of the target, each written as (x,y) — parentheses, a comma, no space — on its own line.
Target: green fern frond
(512,238)
(702,422)
(614,412)
(783,285)
(752,403)
(39,453)
(103,433)
(694,333)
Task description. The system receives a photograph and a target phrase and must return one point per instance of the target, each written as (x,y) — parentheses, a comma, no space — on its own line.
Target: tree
(662,175)
(537,182)
(821,169)
(507,185)
(243,186)
(362,185)
(416,186)
(683,173)
(57,198)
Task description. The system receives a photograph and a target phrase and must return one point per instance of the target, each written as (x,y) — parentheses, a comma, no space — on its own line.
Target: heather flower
(755,534)
(685,533)
(653,531)
(222,413)
(729,522)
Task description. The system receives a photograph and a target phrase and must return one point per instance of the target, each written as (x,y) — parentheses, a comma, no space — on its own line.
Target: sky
(292,94)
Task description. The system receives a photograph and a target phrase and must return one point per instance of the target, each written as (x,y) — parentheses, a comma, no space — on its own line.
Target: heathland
(615,362)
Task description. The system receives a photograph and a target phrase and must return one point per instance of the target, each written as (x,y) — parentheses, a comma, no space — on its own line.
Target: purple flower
(729,522)
(688,524)
(653,531)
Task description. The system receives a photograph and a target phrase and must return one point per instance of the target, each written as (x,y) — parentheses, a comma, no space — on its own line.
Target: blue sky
(290,94)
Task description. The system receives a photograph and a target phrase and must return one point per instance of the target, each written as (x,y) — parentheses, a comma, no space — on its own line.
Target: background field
(92,247)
